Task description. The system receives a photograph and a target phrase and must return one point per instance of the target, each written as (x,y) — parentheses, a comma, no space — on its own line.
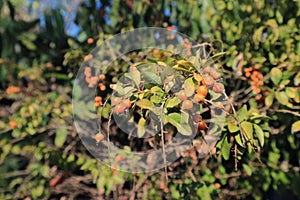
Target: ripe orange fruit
(202,125)
(99,137)
(218,88)
(13,124)
(126,103)
(12,89)
(199,98)
(208,81)
(207,70)
(217,185)
(187,105)
(102,86)
(98,98)
(120,108)
(90,41)
(155,51)
(202,89)
(97,104)
(198,77)
(102,77)
(119,157)
(181,95)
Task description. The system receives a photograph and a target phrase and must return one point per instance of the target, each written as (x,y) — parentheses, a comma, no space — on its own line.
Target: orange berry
(247,74)
(247,69)
(126,103)
(99,137)
(217,185)
(207,70)
(187,105)
(155,51)
(120,108)
(260,83)
(202,90)
(260,76)
(218,88)
(12,89)
(90,41)
(102,86)
(181,95)
(13,124)
(199,98)
(97,104)
(102,77)
(88,57)
(49,65)
(202,125)
(208,81)
(98,98)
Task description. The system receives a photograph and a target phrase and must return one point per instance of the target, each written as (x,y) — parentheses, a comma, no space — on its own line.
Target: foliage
(258,151)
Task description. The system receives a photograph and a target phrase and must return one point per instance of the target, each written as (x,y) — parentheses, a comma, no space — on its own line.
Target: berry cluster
(98,101)
(256,78)
(120,105)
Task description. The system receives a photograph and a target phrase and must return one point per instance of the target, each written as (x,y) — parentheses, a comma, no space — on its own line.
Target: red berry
(199,98)
(218,88)
(202,90)
(208,81)
(202,125)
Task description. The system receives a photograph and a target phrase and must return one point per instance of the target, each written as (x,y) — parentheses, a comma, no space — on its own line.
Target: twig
(286,111)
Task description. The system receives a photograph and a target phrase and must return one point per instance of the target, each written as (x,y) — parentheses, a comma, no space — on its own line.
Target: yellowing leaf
(60,137)
(141,127)
(189,87)
(145,104)
(296,126)
(247,129)
(276,75)
(269,99)
(259,134)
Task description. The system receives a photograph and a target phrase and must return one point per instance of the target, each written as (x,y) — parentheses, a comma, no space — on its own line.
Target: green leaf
(136,76)
(176,121)
(247,169)
(60,137)
(172,102)
(189,87)
(145,104)
(152,78)
(282,97)
(225,149)
(276,75)
(259,134)
(155,99)
(243,113)
(296,126)
(269,99)
(247,129)
(141,127)
(238,140)
(232,126)
(291,92)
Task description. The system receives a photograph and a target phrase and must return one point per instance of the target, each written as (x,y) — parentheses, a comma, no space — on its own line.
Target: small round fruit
(218,88)
(102,86)
(202,125)
(120,108)
(102,77)
(207,70)
(99,137)
(199,98)
(198,77)
(90,41)
(181,95)
(13,124)
(97,104)
(98,98)
(126,103)
(208,81)
(187,105)
(202,89)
